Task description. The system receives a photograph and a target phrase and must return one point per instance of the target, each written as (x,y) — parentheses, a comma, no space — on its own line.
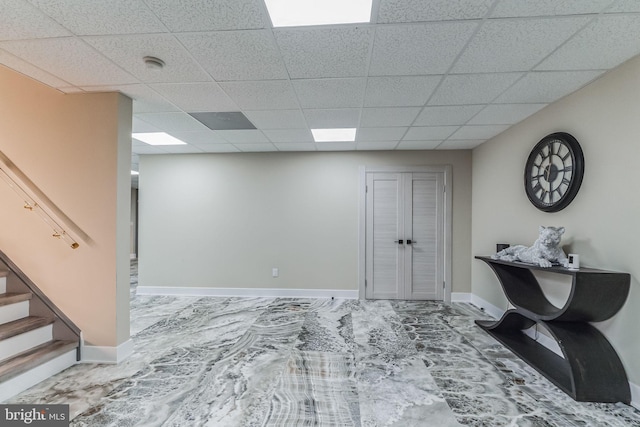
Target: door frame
(446,170)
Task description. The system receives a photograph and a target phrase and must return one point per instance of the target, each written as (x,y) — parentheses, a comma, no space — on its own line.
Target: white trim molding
(108,355)
(248,292)
(487,307)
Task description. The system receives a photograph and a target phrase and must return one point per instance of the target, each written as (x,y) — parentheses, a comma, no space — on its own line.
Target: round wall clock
(553,172)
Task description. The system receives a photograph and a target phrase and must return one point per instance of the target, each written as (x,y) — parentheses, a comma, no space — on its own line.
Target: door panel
(425,214)
(404,206)
(384,256)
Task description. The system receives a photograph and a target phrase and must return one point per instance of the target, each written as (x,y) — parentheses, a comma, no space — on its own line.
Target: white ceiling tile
(237,55)
(333,118)
(145,99)
(376,145)
(418,49)
(243,136)
(465,144)
(277,119)
(102,17)
(515,45)
(546,86)
(429,133)
(418,145)
(195,97)
(382,117)
(603,44)
(170,122)
(182,149)
(448,115)
(146,149)
(335,146)
(399,91)
(330,93)
(17,64)
(200,138)
(69,59)
(209,15)
(517,8)
(262,95)
(139,125)
(219,148)
(505,114)
(325,52)
(293,146)
(478,131)
(431,10)
(289,135)
(472,88)
(380,134)
(625,6)
(20,20)
(256,148)
(128,52)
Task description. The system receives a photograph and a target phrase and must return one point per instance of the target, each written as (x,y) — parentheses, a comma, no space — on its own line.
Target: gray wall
(602,222)
(224,220)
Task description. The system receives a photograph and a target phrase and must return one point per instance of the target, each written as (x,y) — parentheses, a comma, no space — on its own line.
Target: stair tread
(20,326)
(12,298)
(33,357)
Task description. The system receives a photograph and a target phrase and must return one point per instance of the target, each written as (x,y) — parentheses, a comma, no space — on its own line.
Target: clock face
(553,172)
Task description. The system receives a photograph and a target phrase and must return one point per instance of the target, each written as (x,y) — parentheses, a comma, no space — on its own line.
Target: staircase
(36,340)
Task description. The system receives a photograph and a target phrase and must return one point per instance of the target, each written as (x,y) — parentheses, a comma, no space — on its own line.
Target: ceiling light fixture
(153,63)
(334,135)
(135,173)
(157,138)
(294,13)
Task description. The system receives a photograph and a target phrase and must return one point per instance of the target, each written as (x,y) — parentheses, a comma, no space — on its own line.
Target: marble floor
(313,362)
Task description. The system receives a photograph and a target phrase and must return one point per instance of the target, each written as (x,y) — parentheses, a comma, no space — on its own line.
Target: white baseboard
(28,379)
(487,307)
(248,292)
(109,355)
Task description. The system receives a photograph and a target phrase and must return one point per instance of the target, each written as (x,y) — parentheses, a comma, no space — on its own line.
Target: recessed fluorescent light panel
(157,138)
(334,135)
(294,13)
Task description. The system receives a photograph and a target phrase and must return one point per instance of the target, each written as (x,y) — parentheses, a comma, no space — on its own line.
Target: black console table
(590,369)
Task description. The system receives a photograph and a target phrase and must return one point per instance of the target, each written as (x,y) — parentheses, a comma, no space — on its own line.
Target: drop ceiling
(424,74)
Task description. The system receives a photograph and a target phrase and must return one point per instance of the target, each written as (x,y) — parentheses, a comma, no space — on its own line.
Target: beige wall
(225,220)
(602,222)
(72,147)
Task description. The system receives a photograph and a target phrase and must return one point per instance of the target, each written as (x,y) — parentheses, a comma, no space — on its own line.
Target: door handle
(400,242)
(409,241)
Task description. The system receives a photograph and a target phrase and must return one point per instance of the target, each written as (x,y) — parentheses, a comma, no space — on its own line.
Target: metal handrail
(32,203)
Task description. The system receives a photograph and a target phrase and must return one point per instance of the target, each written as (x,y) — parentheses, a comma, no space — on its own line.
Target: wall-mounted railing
(33,203)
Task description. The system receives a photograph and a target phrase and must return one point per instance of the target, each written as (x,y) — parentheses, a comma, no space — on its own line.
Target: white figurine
(545,251)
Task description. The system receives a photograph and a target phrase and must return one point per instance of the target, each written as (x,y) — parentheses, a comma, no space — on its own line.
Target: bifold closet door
(404,236)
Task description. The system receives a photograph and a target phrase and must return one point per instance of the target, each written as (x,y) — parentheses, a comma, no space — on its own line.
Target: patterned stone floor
(311,362)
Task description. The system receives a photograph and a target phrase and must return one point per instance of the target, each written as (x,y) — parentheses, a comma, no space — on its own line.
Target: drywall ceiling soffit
(424,74)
